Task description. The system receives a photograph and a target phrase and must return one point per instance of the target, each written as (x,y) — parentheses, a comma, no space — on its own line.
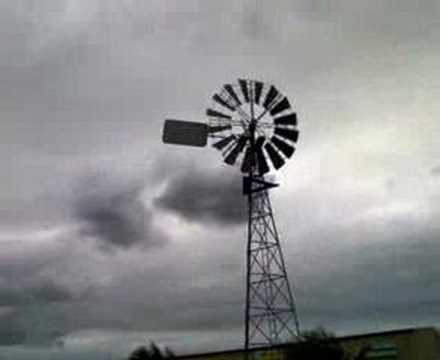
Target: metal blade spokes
(248,160)
(289,134)
(277,160)
(289,119)
(270,97)
(223,143)
(230,90)
(244,89)
(215,129)
(222,102)
(257,93)
(231,157)
(280,107)
(218,114)
(285,148)
(263,167)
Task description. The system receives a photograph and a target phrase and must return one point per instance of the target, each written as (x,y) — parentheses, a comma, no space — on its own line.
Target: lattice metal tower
(253,126)
(270,308)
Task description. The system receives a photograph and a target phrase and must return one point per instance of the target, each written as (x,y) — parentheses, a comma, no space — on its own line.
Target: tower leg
(271,316)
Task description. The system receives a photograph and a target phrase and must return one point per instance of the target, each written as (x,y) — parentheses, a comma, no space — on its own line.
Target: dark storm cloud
(11,333)
(23,327)
(115,214)
(169,301)
(33,282)
(377,271)
(19,297)
(141,304)
(49,292)
(205,196)
(42,291)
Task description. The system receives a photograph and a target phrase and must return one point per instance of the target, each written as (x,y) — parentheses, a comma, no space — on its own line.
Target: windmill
(253,125)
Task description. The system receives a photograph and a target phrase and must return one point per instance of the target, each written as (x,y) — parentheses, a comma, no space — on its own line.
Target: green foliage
(151,353)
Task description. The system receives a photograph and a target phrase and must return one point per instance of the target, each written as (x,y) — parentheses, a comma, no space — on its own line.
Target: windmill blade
(281,106)
(289,119)
(222,102)
(289,134)
(263,167)
(231,157)
(214,129)
(215,113)
(232,93)
(223,143)
(248,160)
(270,97)
(257,93)
(244,89)
(277,160)
(285,148)
(259,142)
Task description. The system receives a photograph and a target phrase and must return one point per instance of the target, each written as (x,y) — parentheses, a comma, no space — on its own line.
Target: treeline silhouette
(317,344)
(152,352)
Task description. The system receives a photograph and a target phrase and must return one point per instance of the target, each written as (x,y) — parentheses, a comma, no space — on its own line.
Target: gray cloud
(22,299)
(435,171)
(50,292)
(11,333)
(115,214)
(44,292)
(145,302)
(383,270)
(205,197)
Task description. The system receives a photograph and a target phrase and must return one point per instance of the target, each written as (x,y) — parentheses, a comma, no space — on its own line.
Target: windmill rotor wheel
(250,109)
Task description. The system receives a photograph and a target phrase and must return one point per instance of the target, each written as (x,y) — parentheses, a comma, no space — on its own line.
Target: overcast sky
(106,238)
